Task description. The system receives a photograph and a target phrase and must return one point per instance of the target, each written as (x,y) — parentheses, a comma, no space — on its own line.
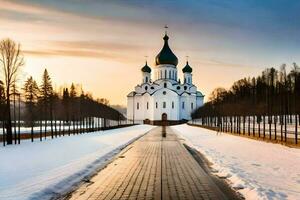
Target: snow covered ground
(40,170)
(261,170)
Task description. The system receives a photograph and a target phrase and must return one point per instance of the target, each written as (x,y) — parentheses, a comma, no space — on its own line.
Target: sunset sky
(102,44)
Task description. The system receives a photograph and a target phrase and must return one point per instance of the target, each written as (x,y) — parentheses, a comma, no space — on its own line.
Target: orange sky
(105,53)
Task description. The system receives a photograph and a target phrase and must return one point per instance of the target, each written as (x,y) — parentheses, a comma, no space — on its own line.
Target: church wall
(168,98)
(199,101)
(185,113)
(130,108)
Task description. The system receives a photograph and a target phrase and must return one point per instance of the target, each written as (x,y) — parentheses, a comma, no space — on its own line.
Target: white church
(161,95)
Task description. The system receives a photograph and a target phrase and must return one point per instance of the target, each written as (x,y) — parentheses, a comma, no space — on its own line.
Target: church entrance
(164,117)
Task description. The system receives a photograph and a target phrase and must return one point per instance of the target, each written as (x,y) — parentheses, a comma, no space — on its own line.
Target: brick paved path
(152,168)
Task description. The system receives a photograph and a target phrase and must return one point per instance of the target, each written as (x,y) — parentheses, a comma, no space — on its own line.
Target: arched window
(137,106)
(165,73)
(165,85)
(172,104)
(156,105)
(164,104)
(146,79)
(192,106)
(147,105)
(170,74)
(185,87)
(182,105)
(161,74)
(146,87)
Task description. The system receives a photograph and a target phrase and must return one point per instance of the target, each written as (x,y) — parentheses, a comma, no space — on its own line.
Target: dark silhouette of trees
(274,92)
(46,92)
(43,104)
(2,109)
(31,92)
(11,61)
(66,107)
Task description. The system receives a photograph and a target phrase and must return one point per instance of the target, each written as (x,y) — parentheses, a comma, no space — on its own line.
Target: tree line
(42,102)
(274,92)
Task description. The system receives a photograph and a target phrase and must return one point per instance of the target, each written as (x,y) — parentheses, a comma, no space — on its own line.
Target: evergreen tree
(31,91)
(46,92)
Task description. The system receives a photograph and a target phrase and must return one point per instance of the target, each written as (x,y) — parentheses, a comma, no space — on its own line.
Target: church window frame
(164,104)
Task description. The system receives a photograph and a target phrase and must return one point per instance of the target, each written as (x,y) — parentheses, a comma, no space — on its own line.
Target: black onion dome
(146,68)
(166,56)
(187,68)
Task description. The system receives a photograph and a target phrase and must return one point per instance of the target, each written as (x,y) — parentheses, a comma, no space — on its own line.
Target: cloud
(222,63)
(91,49)
(94,45)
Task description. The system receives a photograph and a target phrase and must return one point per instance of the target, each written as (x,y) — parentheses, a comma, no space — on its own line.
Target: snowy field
(258,169)
(42,170)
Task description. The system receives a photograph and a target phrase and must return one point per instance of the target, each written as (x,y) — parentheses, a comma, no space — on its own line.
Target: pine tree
(46,92)
(31,91)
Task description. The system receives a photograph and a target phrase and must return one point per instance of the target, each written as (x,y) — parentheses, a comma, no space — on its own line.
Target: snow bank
(258,169)
(43,170)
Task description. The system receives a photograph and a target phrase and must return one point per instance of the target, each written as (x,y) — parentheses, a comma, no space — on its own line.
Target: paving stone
(153,168)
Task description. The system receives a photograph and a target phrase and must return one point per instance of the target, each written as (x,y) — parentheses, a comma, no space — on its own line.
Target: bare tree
(11,61)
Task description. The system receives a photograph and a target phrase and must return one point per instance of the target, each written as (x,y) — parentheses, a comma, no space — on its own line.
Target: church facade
(161,95)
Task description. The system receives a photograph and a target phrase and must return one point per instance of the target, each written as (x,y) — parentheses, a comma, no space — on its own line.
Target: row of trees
(274,92)
(42,102)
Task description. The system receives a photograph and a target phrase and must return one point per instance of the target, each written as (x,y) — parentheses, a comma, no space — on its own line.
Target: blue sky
(225,40)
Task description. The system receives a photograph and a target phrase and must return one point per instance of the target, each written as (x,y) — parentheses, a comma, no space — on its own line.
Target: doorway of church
(164,117)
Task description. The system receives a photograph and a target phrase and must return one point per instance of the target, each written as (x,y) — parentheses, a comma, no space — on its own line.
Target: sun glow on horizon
(104,51)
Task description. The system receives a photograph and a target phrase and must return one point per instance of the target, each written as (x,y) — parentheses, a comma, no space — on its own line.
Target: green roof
(187,68)
(199,94)
(166,56)
(146,68)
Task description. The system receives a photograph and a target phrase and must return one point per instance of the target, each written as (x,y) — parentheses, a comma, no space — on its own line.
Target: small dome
(166,56)
(146,68)
(187,68)
(199,94)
